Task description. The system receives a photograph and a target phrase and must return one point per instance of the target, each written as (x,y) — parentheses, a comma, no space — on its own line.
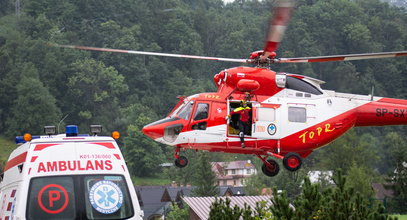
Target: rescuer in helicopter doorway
(244,121)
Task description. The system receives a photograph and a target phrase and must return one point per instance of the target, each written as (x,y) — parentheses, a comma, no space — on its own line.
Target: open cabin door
(265,121)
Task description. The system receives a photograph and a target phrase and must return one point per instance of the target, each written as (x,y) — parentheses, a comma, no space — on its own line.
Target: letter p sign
(53,196)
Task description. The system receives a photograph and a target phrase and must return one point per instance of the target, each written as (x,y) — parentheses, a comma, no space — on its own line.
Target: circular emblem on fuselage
(106,197)
(272,129)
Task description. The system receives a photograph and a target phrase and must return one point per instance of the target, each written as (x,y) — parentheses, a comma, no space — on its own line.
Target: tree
(177,213)
(347,150)
(99,87)
(360,179)
(34,106)
(398,176)
(204,177)
(142,154)
(339,202)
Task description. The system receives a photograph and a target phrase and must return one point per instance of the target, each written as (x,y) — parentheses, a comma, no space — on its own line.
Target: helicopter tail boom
(386,111)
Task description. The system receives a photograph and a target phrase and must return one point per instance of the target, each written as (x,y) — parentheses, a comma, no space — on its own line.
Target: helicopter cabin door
(265,124)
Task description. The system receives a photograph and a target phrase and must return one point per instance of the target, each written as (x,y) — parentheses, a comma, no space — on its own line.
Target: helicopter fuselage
(289,113)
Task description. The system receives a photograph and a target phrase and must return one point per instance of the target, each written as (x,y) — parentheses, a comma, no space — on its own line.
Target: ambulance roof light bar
(71,130)
(95,129)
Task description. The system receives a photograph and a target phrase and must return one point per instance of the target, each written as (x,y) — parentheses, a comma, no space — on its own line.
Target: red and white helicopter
(291,115)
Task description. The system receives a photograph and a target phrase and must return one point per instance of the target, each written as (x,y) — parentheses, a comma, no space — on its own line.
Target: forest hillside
(41,85)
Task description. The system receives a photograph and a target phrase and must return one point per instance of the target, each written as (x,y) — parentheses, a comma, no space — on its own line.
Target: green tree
(143,156)
(221,209)
(346,150)
(360,179)
(34,106)
(398,175)
(177,213)
(99,87)
(204,177)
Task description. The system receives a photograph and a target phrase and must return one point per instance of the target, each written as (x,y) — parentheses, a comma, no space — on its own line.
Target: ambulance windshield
(79,197)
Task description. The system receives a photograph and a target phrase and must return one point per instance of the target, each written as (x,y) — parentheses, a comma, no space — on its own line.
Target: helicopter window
(186,111)
(301,85)
(266,114)
(201,111)
(297,114)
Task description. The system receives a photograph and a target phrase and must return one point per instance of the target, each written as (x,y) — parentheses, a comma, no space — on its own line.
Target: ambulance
(67,176)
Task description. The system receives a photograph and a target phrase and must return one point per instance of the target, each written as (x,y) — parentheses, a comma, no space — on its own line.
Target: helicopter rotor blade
(282,11)
(348,57)
(150,53)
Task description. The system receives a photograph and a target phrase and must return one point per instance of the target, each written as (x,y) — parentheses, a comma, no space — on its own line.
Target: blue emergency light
(71,130)
(20,139)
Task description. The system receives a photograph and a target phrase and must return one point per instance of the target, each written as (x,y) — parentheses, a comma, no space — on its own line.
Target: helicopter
(291,115)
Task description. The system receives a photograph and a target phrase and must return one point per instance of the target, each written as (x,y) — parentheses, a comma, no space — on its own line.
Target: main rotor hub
(258,58)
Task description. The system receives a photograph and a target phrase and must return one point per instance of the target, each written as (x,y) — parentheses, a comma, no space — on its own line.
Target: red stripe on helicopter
(401,54)
(15,161)
(326,59)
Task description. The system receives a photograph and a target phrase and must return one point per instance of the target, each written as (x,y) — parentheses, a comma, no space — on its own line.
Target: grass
(6,147)
(150,181)
(400,217)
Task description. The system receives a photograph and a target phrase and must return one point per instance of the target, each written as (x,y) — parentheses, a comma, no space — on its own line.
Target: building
(199,207)
(155,201)
(233,173)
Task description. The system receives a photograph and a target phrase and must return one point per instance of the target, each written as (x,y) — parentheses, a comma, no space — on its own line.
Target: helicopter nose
(152,131)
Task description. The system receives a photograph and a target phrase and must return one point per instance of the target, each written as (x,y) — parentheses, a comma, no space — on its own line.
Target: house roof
(201,205)
(151,199)
(154,200)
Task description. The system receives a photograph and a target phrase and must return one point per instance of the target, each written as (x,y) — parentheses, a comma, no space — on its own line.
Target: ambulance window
(186,111)
(107,197)
(201,111)
(51,198)
(297,114)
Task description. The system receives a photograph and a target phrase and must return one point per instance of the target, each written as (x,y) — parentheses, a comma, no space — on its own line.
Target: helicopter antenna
(371,98)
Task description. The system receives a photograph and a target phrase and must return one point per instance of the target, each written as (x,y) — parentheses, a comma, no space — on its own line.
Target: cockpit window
(201,111)
(186,110)
(301,85)
(174,113)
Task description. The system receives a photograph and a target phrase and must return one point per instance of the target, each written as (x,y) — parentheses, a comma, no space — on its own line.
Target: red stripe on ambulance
(107,145)
(15,161)
(40,147)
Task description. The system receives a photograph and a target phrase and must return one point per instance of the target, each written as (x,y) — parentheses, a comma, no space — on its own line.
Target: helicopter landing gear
(292,161)
(180,161)
(270,167)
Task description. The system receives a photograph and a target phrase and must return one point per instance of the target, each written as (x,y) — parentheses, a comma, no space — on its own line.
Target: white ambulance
(67,176)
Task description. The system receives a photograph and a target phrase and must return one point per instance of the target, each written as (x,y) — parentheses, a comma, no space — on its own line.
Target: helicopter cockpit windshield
(171,132)
(185,112)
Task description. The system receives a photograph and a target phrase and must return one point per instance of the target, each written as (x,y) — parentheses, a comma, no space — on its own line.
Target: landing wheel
(181,161)
(292,161)
(270,169)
